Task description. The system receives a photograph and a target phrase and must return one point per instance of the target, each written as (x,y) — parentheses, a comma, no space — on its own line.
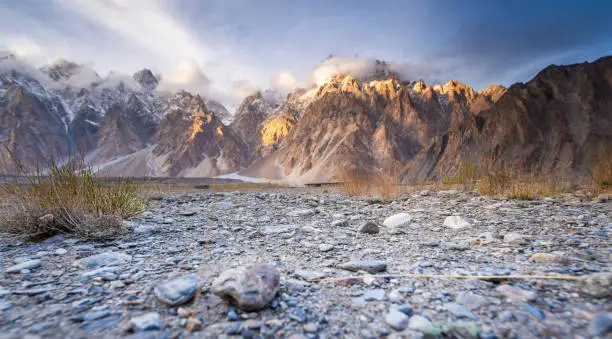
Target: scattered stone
(396,223)
(302,213)
(548,257)
(271,230)
(458,245)
(514,294)
(471,301)
(460,311)
(147,322)
(103,259)
(370,266)
(597,285)
(534,311)
(514,238)
(375,294)
(339,223)
(419,323)
(309,275)
(368,227)
(177,291)
(405,308)
(188,213)
(61,251)
(26,265)
(456,222)
(397,320)
(325,247)
(601,324)
(250,288)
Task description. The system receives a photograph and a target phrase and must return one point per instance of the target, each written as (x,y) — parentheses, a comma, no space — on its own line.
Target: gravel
(143,285)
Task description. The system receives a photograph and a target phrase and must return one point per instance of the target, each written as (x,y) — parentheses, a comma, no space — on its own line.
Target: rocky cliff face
(192,141)
(347,124)
(375,122)
(551,125)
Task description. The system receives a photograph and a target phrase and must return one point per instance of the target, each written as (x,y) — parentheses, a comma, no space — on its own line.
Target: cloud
(188,76)
(25,48)
(364,68)
(283,80)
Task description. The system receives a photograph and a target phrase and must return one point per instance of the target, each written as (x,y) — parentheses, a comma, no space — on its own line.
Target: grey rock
(514,294)
(419,323)
(601,324)
(368,227)
(309,275)
(100,272)
(397,320)
(177,291)
(471,300)
(250,288)
(103,259)
(339,223)
(370,266)
(375,294)
(277,229)
(397,223)
(147,322)
(302,213)
(597,285)
(325,247)
(460,311)
(61,251)
(456,222)
(26,265)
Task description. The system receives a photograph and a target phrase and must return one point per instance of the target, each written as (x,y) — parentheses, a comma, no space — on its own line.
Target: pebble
(460,311)
(370,266)
(601,324)
(61,251)
(514,294)
(309,275)
(177,291)
(471,301)
(514,238)
(376,294)
(103,259)
(419,323)
(548,258)
(250,288)
(271,230)
(147,322)
(301,213)
(339,223)
(456,222)
(597,285)
(368,227)
(325,247)
(397,320)
(397,223)
(26,265)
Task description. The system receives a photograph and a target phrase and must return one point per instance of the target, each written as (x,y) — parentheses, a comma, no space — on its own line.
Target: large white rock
(456,222)
(397,222)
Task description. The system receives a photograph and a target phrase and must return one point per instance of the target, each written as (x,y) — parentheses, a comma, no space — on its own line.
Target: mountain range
(129,126)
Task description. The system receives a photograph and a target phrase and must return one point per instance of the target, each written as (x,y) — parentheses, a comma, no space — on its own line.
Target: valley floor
(309,234)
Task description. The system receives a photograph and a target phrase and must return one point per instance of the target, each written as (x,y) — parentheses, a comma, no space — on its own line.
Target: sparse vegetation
(68,198)
(382,186)
(602,168)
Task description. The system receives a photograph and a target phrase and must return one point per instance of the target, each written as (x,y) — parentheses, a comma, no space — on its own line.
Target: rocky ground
(64,287)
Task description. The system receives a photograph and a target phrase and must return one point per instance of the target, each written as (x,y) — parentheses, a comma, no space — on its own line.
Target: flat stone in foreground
(177,291)
(27,265)
(370,266)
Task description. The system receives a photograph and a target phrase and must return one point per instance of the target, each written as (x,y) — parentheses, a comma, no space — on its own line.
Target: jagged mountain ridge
(369,124)
(65,109)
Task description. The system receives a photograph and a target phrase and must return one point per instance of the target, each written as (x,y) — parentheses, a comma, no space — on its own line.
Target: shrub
(69,198)
(383,184)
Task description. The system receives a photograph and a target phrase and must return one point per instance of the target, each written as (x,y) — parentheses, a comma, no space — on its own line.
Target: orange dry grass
(384,184)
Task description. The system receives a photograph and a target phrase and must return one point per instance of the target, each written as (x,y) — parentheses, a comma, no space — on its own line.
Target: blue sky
(233,46)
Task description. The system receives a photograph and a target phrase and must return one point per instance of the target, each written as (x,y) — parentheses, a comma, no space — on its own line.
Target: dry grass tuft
(602,168)
(385,184)
(68,198)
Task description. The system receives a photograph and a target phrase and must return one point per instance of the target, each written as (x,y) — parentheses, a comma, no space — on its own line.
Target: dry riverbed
(142,285)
